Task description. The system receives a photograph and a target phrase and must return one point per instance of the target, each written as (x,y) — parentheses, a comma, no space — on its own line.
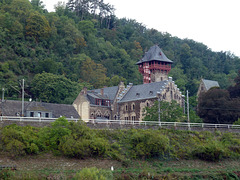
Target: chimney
(102,91)
(85,90)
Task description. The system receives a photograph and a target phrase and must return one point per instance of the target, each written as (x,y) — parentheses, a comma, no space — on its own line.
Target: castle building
(154,66)
(128,103)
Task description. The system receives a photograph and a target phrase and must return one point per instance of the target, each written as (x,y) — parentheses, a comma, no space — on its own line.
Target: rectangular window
(47,115)
(39,114)
(31,114)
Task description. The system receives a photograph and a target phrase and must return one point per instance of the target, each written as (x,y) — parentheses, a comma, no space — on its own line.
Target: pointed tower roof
(154,53)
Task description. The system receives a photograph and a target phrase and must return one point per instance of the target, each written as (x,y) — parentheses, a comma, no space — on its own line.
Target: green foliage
(93,73)
(76,140)
(20,141)
(94,174)
(237,122)
(83,143)
(37,26)
(33,41)
(147,144)
(211,151)
(54,88)
(216,106)
(50,137)
(169,112)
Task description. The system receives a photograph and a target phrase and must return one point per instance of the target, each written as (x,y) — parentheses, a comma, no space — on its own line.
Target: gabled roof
(154,53)
(11,108)
(144,91)
(209,84)
(108,93)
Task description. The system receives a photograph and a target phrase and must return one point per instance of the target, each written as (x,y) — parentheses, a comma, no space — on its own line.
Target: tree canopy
(216,106)
(86,33)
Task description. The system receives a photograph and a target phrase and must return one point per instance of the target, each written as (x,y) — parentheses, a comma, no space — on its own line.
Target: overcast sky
(214,23)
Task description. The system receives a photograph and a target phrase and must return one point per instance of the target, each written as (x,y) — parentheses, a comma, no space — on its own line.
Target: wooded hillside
(84,44)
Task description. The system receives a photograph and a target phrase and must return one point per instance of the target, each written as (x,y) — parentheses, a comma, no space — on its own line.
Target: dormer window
(151,92)
(137,94)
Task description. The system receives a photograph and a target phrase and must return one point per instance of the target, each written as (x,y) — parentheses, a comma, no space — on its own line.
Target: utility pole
(3,94)
(188,110)
(159,107)
(183,104)
(23,98)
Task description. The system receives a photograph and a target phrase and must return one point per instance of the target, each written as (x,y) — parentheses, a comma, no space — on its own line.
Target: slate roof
(209,84)
(144,91)
(154,53)
(108,93)
(11,108)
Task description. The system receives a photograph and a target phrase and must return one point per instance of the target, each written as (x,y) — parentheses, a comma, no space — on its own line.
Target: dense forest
(83,43)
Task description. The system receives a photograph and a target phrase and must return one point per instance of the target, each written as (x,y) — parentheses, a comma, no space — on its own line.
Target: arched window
(133,107)
(126,107)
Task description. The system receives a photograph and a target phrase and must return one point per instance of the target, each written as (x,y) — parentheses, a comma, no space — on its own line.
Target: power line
(225,109)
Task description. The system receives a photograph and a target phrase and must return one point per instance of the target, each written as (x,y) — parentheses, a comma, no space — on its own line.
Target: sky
(214,23)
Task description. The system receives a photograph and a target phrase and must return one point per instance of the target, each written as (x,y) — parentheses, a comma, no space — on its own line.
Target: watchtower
(154,66)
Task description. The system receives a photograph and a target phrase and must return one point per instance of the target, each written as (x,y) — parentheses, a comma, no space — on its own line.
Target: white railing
(123,122)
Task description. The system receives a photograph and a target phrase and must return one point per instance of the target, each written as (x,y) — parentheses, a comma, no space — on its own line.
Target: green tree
(37,26)
(50,137)
(235,90)
(19,9)
(170,112)
(86,27)
(93,73)
(179,77)
(53,88)
(216,106)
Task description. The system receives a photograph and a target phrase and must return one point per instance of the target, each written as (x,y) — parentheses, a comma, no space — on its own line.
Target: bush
(147,144)
(50,137)
(237,122)
(94,174)
(212,151)
(19,141)
(75,148)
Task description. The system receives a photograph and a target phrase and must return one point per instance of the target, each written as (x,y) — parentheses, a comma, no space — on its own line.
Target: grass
(56,167)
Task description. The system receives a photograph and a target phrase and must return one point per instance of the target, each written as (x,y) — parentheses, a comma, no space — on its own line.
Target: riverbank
(48,166)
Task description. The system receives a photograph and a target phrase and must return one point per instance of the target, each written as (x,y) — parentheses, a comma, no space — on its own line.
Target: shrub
(75,148)
(147,144)
(211,151)
(19,141)
(237,122)
(94,174)
(50,137)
